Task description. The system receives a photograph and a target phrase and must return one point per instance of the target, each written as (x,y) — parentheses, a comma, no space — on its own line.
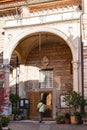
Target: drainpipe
(82,60)
(17,77)
(82,57)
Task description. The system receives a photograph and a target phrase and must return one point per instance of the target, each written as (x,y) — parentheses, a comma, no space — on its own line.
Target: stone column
(84,6)
(6,71)
(22,91)
(84,22)
(75,75)
(6,108)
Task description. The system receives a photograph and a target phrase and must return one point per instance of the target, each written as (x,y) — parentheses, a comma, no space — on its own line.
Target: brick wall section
(59,56)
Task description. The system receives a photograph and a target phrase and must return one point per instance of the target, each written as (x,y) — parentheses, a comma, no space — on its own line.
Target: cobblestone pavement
(46,125)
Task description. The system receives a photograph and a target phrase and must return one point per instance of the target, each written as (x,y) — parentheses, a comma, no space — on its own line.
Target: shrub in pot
(5,120)
(60,118)
(67,118)
(78,117)
(15,112)
(75,101)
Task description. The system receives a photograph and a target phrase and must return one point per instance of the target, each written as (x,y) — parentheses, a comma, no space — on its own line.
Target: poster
(62,102)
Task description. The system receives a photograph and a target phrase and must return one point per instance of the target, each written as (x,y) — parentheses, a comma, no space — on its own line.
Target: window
(46,78)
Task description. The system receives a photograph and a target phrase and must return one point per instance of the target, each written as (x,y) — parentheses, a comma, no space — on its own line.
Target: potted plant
(15,112)
(11,116)
(67,118)
(14,98)
(60,118)
(5,121)
(74,100)
(78,117)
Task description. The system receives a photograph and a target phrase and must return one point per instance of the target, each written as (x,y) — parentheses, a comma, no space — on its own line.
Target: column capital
(6,67)
(84,6)
(75,64)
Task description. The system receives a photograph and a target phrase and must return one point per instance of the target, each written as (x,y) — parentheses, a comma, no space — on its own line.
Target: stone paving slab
(35,125)
(44,127)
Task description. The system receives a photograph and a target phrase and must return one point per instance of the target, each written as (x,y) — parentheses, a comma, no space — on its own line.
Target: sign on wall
(63,102)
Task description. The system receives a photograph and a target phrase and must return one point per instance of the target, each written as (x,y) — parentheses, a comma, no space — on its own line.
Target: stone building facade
(43,50)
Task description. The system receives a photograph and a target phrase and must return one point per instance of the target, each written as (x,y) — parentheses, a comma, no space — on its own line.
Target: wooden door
(34,98)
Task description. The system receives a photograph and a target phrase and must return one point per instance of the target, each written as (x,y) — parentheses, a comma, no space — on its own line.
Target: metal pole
(17,76)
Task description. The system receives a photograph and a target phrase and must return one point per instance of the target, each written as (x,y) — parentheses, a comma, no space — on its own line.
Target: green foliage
(14,98)
(82,101)
(5,120)
(60,117)
(15,110)
(78,116)
(85,115)
(75,100)
(9,129)
(67,116)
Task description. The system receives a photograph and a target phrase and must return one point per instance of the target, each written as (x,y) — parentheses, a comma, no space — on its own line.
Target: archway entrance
(44,68)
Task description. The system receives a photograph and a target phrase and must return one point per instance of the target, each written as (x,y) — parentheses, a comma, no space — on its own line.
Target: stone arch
(36,30)
(69,42)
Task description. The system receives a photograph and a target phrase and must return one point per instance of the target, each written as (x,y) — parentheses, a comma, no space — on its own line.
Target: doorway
(34,98)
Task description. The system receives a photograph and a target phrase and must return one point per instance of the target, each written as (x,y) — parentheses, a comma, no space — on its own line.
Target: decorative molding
(45,61)
(6,67)
(9,37)
(75,64)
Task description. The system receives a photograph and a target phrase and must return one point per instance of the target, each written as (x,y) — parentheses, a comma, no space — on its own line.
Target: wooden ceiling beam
(41,4)
(4,1)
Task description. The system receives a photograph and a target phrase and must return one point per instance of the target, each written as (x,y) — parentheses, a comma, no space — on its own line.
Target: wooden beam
(6,1)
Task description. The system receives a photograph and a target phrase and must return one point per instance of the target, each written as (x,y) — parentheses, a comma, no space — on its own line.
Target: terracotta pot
(67,121)
(73,120)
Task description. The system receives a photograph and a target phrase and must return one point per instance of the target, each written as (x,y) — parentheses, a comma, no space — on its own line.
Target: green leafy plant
(5,120)
(67,116)
(9,129)
(60,117)
(14,98)
(85,115)
(75,100)
(78,116)
(15,110)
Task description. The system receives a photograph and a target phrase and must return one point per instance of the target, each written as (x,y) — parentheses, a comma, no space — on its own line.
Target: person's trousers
(40,116)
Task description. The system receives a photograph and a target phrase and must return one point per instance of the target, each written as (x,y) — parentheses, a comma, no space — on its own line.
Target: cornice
(37,3)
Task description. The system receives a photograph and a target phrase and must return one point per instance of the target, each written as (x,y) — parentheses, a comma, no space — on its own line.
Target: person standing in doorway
(41,110)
